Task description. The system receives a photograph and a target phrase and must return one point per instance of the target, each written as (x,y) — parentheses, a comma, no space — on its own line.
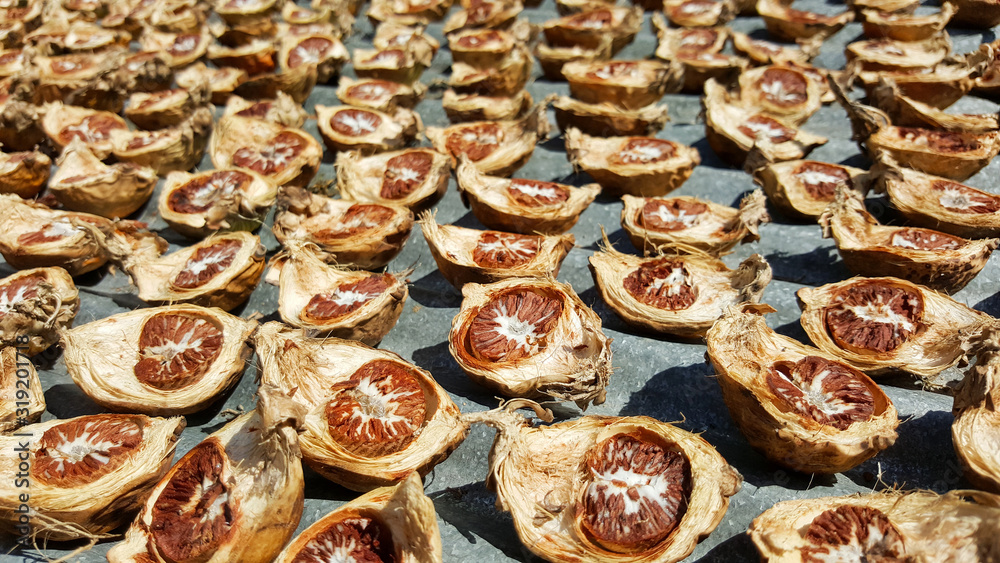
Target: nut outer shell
(360,178)
(976,428)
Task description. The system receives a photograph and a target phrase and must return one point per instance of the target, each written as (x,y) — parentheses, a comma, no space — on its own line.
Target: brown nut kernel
(628,84)
(282,110)
(285,155)
(197,205)
(325,51)
(588,29)
(345,128)
(784,92)
(24,173)
(415,178)
(803,188)
(498,148)
(378,94)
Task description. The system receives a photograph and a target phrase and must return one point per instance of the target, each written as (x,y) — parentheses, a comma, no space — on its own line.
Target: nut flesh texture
(962,199)
(923,239)
(534,193)
(91,129)
(853,533)
(393,57)
(505,250)
(828,392)
(357,540)
(19,290)
(79,452)
(355,122)
(272,157)
(613,71)
(200,194)
(379,411)
(357,220)
(667,215)
(938,141)
(195,512)
(593,20)
(142,139)
(694,40)
(258,110)
(405,173)
(637,493)
(782,87)
(56,230)
(480,40)
(206,263)
(643,150)
(372,89)
(311,50)
(664,284)
(184,44)
(873,317)
(514,325)
(175,350)
(475,141)
(346,298)
(820,180)
(763,127)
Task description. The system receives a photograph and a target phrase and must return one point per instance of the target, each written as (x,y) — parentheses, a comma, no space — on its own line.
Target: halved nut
(408,12)
(221,81)
(163,108)
(255,57)
(396,65)
(475,107)
(378,94)
(506,78)
(284,155)
(414,178)
(196,205)
(411,38)
(766,52)
(65,123)
(804,188)
(177,49)
(907,112)
(940,86)
(553,58)
(784,92)
(588,29)
(628,84)
(166,150)
(346,128)
(788,24)
(496,147)
(24,173)
(297,82)
(906,27)
(483,48)
(607,119)
(888,54)
(282,110)
(492,14)
(83,183)
(691,41)
(95,81)
(325,51)
(39,304)
(699,13)
(699,68)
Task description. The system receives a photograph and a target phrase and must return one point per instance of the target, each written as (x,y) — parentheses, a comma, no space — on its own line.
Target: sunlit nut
(977,424)
(83,183)
(413,39)
(784,92)
(346,128)
(12,61)
(628,84)
(608,488)
(698,68)
(220,271)
(570,7)
(408,12)
(907,112)
(381,95)
(978,14)
(494,14)
(675,294)
(941,88)
(531,337)
(471,256)
(390,523)
(159,361)
(499,148)
(177,49)
(732,130)
(508,78)
(242,12)
(197,205)
(606,118)
(282,110)
(327,52)
(802,408)
(882,526)
(294,14)
(95,81)
(11,34)
(297,82)
(255,57)
(414,178)
(148,72)
(24,173)
(284,155)
(20,118)
(588,29)
(481,48)
(803,189)
(29,13)
(23,400)
(882,325)
(632,165)
(788,24)
(522,205)
(474,107)
(88,474)
(887,54)
(65,123)
(766,52)
(905,27)
(165,108)
(166,150)
(396,65)
(360,235)
(699,13)
(691,41)
(221,81)
(35,305)
(686,222)
(177,16)
(887,6)
(235,496)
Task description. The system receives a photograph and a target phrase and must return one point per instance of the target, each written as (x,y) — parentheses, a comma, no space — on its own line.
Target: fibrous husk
(907,112)
(687,222)
(977,14)
(788,24)
(887,6)
(221,81)
(607,119)
(700,13)
(20,119)
(251,143)
(166,150)
(687,40)
(177,49)
(496,147)
(343,375)
(787,414)
(939,86)
(297,82)
(246,12)
(471,256)
(914,526)
(628,84)
(679,294)
(347,128)
(381,95)
(976,428)
(412,39)
(493,14)
(732,130)
(523,206)
(910,328)
(253,468)
(65,123)
(567,357)
(24,173)
(588,29)
(484,48)
(888,54)
(396,65)
(83,183)
(196,205)
(415,178)
(782,91)
(22,400)
(89,494)
(281,110)
(104,358)
(12,61)
(408,12)
(325,51)
(906,27)
(640,166)
(766,52)
(163,108)
(330,301)
(148,71)
(94,81)
(256,57)
(541,475)
(697,69)
(804,188)
(37,304)
(553,58)
(507,78)
(475,107)
(360,235)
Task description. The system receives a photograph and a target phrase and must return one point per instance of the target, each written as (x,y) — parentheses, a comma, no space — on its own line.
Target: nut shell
(498,148)
(234,199)
(788,24)
(607,119)
(345,128)
(803,188)
(373,179)
(977,424)
(627,84)
(232,134)
(24,173)
(38,305)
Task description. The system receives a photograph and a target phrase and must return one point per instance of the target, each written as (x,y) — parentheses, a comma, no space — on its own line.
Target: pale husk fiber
(360,178)
(232,133)
(787,192)
(976,429)
(83,183)
(34,324)
(17,378)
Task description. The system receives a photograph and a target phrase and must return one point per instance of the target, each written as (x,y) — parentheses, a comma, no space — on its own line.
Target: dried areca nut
(382,95)
(408,12)
(297,82)
(907,112)
(781,91)
(283,110)
(888,6)
(699,13)
(360,235)
(12,61)
(471,256)
(521,205)
(599,488)
(221,271)
(221,81)
(324,51)
(35,306)
(788,24)
(29,13)
(804,188)
(148,71)
(766,52)
(161,361)
(675,294)
(977,14)
(300,15)
(24,173)
(698,68)
(20,118)
(414,178)
(570,7)
(493,14)
(628,84)
(481,48)
(641,166)
(882,325)
(409,38)
(607,119)
(987,82)
(800,407)
(83,183)
(389,523)
(235,496)
(396,65)
(88,474)
(177,49)
(531,337)
(246,12)
(977,424)
(553,58)
(166,150)
(689,222)
(197,205)
(255,57)
(732,130)
(588,29)
(164,108)
(887,54)
(94,81)
(906,27)
(347,128)
(506,79)
(939,87)
(11,34)
(474,107)
(372,418)
(690,41)
(885,526)
(65,123)
(22,400)
(499,148)
(283,155)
